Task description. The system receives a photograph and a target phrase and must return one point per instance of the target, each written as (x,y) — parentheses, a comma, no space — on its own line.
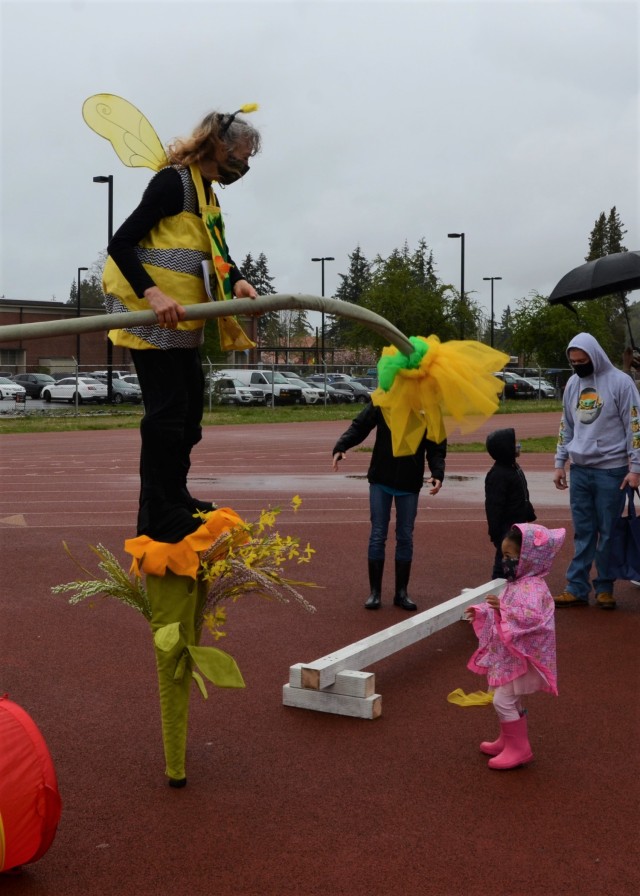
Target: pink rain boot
(517,750)
(493,747)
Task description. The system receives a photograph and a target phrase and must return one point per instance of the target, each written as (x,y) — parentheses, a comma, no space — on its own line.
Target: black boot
(376,568)
(401,598)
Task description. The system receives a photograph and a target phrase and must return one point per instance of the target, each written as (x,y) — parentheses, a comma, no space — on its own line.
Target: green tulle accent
(389,365)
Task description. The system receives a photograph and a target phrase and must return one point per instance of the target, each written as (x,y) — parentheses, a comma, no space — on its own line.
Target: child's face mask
(510,567)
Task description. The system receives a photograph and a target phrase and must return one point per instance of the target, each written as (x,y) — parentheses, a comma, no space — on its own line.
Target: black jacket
(402,473)
(506,496)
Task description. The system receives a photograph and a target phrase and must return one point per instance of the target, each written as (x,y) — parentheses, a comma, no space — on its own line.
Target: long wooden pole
(207,311)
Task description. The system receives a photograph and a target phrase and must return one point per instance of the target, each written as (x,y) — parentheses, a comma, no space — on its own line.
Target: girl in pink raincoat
(517,640)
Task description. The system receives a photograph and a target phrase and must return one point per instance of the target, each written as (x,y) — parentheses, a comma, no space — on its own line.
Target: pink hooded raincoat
(521,638)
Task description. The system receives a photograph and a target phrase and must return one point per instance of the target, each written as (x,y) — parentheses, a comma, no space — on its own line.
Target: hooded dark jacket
(405,474)
(506,496)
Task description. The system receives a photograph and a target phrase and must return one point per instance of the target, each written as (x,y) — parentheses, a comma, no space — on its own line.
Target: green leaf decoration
(201,685)
(181,666)
(218,667)
(167,637)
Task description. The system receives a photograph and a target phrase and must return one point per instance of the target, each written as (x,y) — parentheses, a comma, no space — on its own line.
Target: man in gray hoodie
(600,437)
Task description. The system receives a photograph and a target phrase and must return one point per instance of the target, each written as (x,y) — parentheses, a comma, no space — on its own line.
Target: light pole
(108,179)
(80,270)
(322,261)
(460,236)
(492,279)
(324,363)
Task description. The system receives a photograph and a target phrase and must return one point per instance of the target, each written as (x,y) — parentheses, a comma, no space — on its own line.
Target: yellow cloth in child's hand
(478,698)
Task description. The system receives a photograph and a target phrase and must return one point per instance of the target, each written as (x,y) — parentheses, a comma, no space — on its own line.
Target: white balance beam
(335,684)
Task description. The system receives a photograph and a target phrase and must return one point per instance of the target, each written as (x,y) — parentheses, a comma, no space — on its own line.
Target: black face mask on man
(583,370)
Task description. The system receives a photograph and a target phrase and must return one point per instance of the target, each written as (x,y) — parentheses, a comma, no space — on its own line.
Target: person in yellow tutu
(422,397)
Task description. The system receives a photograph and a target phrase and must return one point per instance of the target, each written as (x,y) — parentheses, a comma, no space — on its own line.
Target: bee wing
(126,128)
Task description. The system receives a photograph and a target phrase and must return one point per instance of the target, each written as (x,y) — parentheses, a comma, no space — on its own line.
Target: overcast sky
(515,122)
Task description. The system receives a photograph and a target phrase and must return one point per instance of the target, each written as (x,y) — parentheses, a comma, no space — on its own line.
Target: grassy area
(63,419)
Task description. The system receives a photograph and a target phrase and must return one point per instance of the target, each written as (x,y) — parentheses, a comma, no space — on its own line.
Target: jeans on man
(596,501)
(380,502)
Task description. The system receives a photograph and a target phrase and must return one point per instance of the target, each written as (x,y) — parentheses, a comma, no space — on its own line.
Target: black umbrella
(617,273)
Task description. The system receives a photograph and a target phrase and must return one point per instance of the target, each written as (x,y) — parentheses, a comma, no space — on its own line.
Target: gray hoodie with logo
(600,424)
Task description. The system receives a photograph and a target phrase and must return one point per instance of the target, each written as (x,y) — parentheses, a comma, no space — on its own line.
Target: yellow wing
(126,128)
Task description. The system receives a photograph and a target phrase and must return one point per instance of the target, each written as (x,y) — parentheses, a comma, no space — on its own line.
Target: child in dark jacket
(506,495)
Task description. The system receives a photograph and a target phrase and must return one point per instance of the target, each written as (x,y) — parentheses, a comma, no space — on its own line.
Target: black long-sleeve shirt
(163,197)
(401,473)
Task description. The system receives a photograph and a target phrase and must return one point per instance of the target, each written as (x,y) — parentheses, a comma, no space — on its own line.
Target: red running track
(286,802)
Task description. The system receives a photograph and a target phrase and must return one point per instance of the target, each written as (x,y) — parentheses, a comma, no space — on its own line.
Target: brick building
(54,354)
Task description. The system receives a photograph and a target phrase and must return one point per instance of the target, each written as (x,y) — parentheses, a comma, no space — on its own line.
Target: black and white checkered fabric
(156,336)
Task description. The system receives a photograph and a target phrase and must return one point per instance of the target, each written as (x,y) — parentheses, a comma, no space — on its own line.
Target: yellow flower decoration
(183,558)
(452,387)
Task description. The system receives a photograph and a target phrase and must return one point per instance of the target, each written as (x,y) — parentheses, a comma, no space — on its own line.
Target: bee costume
(176,231)
(172,526)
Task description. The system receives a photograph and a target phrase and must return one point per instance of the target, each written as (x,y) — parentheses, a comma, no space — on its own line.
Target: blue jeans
(596,501)
(380,502)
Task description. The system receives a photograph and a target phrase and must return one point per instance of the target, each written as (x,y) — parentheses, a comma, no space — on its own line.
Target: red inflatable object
(30,803)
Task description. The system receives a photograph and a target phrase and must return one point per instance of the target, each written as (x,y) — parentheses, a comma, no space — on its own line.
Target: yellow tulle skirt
(443,387)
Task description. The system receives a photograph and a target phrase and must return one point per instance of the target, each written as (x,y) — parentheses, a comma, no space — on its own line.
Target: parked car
(33,383)
(370,382)
(115,374)
(515,386)
(333,395)
(543,388)
(227,390)
(311,394)
(277,389)
(9,389)
(360,393)
(87,387)
(331,378)
(122,390)
(340,396)
(132,378)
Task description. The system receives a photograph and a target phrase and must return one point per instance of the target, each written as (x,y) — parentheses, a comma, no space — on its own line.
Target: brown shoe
(606,601)
(567,599)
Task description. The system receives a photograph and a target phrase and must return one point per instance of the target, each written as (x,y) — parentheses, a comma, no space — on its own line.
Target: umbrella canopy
(604,276)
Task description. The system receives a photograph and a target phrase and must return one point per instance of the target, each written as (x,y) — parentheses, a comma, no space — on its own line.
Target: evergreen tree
(606,239)
(615,233)
(351,289)
(257,273)
(502,333)
(91,295)
(405,290)
(598,239)
(606,236)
